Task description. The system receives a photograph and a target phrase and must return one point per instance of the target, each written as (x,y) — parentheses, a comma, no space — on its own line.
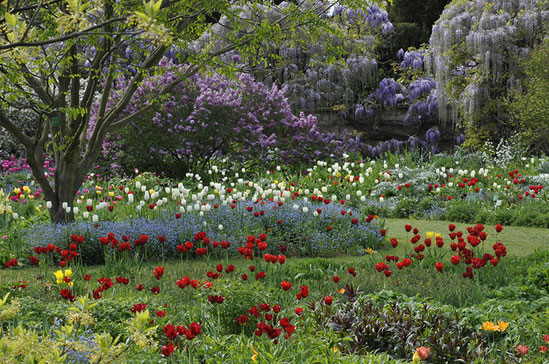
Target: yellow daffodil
(430,234)
(254,357)
(502,326)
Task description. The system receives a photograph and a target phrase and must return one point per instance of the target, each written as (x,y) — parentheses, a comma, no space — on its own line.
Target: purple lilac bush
(213,115)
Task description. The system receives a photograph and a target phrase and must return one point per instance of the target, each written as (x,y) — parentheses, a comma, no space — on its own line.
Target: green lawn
(520,241)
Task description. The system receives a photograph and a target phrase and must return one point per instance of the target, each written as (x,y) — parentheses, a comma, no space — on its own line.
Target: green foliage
(531,108)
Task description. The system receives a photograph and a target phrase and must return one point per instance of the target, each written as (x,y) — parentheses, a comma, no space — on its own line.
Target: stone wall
(387,124)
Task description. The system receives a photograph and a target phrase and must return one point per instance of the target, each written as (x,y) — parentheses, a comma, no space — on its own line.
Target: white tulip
(86,214)
(48,204)
(95,218)
(15,215)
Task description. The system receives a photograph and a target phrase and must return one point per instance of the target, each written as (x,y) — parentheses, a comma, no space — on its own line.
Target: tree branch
(14,130)
(63,38)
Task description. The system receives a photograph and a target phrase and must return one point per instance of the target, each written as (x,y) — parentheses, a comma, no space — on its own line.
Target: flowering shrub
(213,115)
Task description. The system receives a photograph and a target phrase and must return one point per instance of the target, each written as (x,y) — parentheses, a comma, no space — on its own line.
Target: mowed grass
(520,241)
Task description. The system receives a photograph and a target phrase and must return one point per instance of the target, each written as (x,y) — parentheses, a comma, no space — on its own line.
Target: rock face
(385,125)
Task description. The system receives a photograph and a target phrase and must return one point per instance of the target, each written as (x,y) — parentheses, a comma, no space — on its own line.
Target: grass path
(520,241)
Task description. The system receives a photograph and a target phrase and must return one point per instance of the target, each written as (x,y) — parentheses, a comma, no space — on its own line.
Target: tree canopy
(58,58)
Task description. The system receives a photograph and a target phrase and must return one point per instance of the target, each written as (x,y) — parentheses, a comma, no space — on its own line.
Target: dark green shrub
(398,329)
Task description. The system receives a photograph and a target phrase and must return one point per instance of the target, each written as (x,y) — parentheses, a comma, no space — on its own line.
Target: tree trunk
(68,179)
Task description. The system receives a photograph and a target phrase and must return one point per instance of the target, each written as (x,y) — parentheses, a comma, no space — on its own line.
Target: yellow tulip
(59,276)
(17,190)
(68,272)
(111,194)
(502,326)
(488,326)
(430,234)
(416,358)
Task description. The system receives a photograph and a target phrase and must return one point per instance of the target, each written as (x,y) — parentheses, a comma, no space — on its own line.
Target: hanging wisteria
(476,47)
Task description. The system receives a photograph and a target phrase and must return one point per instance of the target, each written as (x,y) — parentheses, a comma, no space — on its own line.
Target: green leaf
(11,19)
(157,6)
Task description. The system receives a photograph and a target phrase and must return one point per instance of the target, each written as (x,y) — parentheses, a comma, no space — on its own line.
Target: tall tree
(61,58)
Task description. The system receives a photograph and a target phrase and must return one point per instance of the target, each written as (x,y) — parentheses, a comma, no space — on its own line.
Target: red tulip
(167,350)
(328,300)
(522,349)
(455,259)
(286,285)
(158,272)
(439,266)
